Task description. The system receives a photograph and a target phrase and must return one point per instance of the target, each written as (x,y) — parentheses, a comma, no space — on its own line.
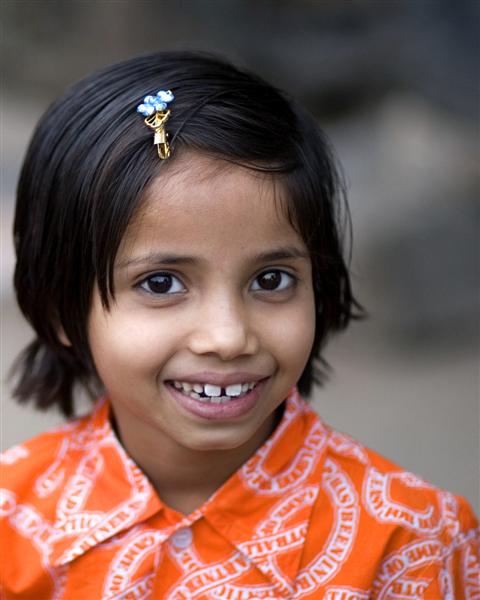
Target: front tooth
(216,399)
(212,390)
(234,390)
(194,395)
(198,387)
(244,387)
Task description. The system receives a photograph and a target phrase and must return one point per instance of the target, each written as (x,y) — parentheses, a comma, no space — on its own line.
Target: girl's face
(213,319)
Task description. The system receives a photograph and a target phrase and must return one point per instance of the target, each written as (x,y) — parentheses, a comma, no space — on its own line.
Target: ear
(62,336)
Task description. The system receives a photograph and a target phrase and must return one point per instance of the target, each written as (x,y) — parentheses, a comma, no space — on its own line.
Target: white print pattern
(122,538)
(345,593)
(52,478)
(103,525)
(286,509)
(59,578)
(449,509)
(344,445)
(127,561)
(246,592)
(80,485)
(397,565)
(26,520)
(471,573)
(376,492)
(405,588)
(282,541)
(412,480)
(30,524)
(271,540)
(261,536)
(8,502)
(344,501)
(265,551)
(89,438)
(13,455)
(80,439)
(111,522)
(186,559)
(446,581)
(256,477)
(81,522)
(199,578)
(139,590)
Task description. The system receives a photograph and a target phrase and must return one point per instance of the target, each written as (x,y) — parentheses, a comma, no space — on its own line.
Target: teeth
(234,389)
(212,390)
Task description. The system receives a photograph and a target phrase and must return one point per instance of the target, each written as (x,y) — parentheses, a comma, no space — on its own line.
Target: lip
(220,379)
(217,412)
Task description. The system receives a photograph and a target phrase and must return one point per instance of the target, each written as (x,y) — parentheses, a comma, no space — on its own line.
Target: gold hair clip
(154,108)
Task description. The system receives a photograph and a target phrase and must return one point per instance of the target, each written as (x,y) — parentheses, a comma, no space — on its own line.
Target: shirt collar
(278,485)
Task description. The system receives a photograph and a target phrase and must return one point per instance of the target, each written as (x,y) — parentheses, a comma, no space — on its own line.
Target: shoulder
(373,516)
(391,501)
(381,495)
(30,469)
(385,487)
(389,492)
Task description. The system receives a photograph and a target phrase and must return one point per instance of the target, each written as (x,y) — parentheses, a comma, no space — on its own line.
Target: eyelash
(291,282)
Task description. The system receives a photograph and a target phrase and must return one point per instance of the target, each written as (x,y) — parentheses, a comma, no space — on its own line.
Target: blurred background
(395,86)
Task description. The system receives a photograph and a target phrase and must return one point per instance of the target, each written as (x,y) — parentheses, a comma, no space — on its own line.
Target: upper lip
(220,379)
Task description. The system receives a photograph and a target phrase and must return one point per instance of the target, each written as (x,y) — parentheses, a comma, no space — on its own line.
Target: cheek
(122,346)
(302,328)
(291,334)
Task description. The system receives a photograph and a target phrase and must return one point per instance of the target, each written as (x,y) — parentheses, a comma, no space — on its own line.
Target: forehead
(205,203)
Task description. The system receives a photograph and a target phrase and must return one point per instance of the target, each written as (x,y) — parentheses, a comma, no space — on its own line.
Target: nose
(222,328)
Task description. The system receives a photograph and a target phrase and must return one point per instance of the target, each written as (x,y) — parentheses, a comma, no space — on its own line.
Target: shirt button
(182,538)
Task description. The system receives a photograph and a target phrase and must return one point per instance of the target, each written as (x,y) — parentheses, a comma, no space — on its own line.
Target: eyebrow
(157,258)
(280,254)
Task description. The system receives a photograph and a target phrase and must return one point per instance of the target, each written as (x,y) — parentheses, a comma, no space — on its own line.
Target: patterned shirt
(312,514)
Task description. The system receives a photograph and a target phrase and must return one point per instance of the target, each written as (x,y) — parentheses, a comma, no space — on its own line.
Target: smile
(214,393)
(222,400)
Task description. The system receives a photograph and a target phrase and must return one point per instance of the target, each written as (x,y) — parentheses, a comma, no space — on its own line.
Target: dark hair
(89,162)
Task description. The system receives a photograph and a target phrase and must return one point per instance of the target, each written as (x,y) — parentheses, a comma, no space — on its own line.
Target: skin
(216,317)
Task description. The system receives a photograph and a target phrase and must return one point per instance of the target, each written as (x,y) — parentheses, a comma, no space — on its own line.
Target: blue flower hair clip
(155,109)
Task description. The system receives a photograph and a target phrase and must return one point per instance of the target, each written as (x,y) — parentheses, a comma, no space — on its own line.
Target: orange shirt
(312,514)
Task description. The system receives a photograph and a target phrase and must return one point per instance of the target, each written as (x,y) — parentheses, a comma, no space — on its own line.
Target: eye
(162,283)
(273,281)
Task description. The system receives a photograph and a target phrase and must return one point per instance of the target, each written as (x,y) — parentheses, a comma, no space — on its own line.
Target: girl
(194,285)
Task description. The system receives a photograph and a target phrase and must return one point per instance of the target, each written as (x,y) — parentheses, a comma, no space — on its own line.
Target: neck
(185,478)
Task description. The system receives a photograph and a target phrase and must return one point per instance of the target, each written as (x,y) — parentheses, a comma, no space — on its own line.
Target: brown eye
(274,280)
(162,283)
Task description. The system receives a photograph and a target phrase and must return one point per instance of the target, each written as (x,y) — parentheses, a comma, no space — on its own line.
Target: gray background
(394,84)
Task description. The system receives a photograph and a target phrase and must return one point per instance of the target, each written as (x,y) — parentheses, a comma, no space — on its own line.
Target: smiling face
(213,319)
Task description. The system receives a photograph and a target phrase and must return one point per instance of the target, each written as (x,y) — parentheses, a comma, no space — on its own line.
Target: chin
(213,443)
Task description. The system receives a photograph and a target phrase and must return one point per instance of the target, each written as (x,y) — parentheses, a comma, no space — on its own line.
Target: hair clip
(154,108)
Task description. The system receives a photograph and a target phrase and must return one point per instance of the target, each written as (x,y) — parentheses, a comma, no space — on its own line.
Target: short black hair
(91,159)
